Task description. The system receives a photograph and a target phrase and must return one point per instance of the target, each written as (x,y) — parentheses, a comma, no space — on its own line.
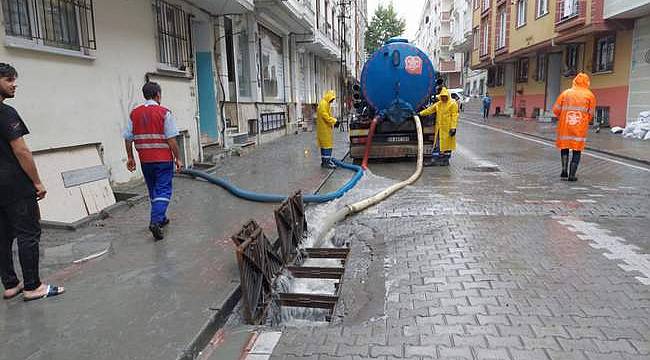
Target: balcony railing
(448,66)
(445,40)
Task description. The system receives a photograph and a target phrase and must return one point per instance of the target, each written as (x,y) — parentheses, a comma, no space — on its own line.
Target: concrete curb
(329,175)
(590,148)
(214,323)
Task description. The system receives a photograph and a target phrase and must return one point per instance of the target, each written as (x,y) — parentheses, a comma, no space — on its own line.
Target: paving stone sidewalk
(604,141)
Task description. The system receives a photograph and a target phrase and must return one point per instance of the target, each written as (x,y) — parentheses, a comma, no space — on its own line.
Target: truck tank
(398,80)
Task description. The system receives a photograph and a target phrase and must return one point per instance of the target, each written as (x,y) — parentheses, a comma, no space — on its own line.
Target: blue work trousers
(158,177)
(325,155)
(437,154)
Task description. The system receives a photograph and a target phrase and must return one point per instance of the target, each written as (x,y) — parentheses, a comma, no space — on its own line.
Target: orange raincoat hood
(581,81)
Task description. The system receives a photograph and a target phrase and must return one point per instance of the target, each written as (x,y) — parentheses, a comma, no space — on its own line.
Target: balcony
(448,66)
(230,7)
(295,15)
(626,9)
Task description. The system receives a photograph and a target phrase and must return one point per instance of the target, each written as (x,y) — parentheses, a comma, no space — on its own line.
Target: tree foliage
(384,25)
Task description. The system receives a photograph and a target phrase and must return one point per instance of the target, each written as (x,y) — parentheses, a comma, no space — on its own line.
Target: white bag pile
(639,129)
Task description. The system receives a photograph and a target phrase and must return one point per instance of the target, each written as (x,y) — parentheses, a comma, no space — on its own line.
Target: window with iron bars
(174,36)
(63,24)
(272,121)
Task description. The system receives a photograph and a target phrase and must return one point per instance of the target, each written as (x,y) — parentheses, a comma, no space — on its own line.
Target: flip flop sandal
(5,297)
(51,292)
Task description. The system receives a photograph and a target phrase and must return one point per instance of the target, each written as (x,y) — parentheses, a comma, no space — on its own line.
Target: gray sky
(410,10)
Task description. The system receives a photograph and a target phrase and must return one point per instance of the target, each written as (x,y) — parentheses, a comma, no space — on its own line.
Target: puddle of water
(369,185)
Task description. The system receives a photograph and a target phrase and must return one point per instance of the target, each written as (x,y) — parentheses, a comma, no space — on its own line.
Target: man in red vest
(152,129)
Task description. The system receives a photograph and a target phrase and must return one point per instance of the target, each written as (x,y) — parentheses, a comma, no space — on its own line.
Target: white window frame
(39,44)
(501,35)
(485,36)
(542,8)
(521,12)
(181,20)
(570,9)
(477,38)
(605,46)
(486,4)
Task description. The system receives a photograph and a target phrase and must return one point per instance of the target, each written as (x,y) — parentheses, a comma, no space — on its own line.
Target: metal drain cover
(487,168)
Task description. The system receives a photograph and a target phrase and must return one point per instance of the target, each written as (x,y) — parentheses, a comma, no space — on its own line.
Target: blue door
(209,117)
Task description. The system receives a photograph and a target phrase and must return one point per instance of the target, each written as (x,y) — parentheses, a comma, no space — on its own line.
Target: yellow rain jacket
(325,121)
(446,119)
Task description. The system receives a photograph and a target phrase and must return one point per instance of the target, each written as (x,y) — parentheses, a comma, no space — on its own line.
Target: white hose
(350,209)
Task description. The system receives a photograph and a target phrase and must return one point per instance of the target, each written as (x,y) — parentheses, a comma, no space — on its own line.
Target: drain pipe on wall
(359,206)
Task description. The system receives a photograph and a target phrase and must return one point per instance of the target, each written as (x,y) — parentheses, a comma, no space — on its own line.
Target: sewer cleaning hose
(350,209)
(277,198)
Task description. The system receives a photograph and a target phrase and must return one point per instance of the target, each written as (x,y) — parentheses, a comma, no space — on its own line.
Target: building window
(604,53)
(540,72)
(522,70)
(570,9)
(491,76)
(272,58)
(542,8)
(272,121)
(602,116)
(477,38)
(571,60)
(244,62)
(426,20)
(486,4)
(500,75)
(63,24)
(521,13)
(502,27)
(485,34)
(174,45)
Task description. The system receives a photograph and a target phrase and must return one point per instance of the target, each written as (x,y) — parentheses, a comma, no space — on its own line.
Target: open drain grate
(260,264)
(484,168)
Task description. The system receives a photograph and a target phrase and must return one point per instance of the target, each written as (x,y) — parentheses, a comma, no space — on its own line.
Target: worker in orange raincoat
(324,129)
(574,109)
(446,110)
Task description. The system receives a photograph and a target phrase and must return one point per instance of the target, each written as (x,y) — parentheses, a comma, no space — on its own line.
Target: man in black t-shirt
(20,187)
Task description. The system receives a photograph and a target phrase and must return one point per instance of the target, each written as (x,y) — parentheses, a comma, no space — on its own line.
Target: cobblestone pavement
(495,258)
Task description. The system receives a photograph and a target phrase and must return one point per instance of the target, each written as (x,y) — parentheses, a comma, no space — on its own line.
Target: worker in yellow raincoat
(444,141)
(325,128)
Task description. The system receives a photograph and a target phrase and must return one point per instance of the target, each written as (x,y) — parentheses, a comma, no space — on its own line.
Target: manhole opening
(486,169)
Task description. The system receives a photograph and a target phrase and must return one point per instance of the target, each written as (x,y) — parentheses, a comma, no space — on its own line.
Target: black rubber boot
(565,164)
(156,231)
(575,161)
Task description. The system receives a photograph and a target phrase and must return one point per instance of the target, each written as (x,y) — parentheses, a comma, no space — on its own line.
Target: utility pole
(344,5)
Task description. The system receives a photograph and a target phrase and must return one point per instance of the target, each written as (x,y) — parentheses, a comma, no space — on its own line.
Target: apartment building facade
(445,34)
(532,49)
(251,65)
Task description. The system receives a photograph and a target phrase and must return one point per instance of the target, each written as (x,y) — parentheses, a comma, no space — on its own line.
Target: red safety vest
(149,133)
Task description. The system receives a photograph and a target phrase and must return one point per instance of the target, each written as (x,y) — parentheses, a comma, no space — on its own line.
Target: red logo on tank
(413,65)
